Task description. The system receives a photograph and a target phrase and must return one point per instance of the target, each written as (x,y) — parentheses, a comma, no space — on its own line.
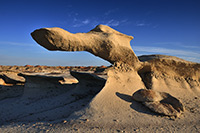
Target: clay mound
(175,75)
(158,56)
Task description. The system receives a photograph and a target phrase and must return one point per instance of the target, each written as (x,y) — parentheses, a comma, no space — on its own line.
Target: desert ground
(82,103)
(149,93)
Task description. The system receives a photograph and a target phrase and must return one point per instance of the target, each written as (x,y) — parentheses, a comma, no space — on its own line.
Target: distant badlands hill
(40,68)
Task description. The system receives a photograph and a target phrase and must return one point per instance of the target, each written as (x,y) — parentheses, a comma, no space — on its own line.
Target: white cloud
(94,22)
(169,43)
(112,22)
(193,59)
(110,12)
(166,51)
(141,24)
(155,26)
(75,19)
(79,23)
(15,43)
(190,46)
(195,47)
(186,54)
(87,21)
(72,13)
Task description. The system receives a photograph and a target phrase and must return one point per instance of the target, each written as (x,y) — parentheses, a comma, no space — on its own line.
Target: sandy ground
(97,100)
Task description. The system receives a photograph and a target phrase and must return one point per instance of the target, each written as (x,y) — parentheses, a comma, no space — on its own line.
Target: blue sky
(170,27)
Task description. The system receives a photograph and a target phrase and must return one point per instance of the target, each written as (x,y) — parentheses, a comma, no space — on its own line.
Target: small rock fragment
(144,95)
(159,102)
(64,121)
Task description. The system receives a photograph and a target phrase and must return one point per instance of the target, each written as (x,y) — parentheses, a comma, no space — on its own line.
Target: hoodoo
(113,46)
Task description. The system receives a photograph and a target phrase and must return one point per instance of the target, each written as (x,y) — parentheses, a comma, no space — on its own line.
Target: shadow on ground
(39,103)
(134,104)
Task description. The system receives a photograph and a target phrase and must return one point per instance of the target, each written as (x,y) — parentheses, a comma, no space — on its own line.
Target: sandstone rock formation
(40,81)
(11,77)
(2,82)
(160,102)
(101,41)
(159,73)
(10,85)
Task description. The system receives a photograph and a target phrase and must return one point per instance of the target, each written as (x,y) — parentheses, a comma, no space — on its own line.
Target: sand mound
(158,56)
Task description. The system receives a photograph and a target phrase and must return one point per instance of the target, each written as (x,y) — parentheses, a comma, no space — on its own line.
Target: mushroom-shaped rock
(159,102)
(11,78)
(101,41)
(7,90)
(41,85)
(43,81)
